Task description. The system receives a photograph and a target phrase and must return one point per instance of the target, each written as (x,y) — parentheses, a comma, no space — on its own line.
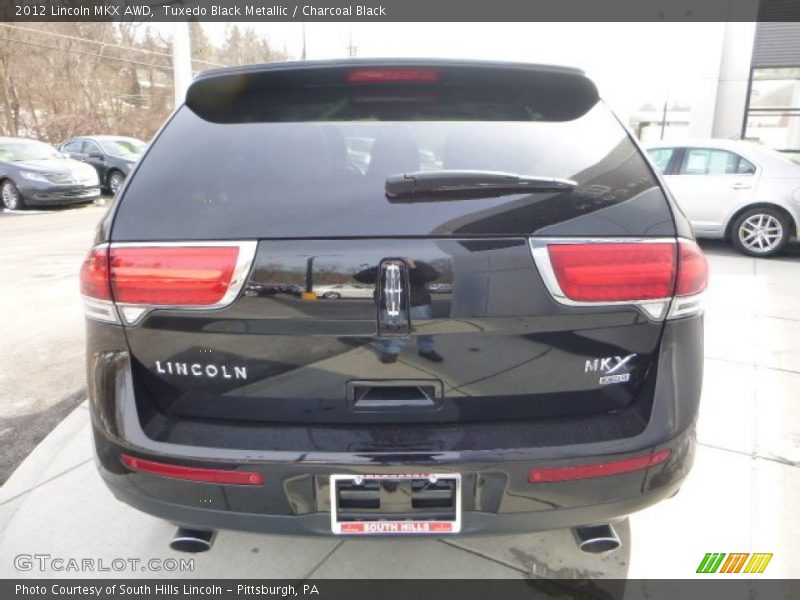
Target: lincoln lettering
(185,369)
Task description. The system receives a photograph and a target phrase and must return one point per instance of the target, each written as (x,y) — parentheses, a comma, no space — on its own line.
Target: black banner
(388,589)
(396,10)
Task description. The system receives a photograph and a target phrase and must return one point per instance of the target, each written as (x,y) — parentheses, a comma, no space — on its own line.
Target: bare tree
(58,80)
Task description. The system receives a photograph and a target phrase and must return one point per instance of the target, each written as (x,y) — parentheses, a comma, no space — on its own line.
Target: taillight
(95,282)
(614,272)
(172,276)
(605,469)
(692,269)
(226,476)
(645,273)
(404,75)
(137,278)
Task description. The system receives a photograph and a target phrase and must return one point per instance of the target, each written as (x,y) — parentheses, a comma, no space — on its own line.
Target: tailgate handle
(382,395)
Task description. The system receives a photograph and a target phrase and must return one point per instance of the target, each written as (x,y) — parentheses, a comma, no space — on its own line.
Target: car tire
(12,198)
(115,181)
(331,296)
(761,232)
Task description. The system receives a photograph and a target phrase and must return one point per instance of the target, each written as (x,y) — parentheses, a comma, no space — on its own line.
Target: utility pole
(303,24)
(181,60)
(351,49)
(664,118)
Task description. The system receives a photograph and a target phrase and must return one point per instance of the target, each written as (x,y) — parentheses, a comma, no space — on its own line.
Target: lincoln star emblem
(392,290)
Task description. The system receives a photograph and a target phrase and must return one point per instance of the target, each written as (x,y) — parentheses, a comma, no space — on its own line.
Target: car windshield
(16,151)
(124,147)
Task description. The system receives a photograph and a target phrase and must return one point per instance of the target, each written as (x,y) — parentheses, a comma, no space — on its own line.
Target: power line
(125,60)
(104,44)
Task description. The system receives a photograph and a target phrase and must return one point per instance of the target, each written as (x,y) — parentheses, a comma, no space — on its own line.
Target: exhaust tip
(600,539)
(192,540)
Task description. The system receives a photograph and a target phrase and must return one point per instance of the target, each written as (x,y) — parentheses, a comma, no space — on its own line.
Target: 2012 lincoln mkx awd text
(514,339)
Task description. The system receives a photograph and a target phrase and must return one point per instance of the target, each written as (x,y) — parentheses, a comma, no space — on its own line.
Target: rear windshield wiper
(471,183)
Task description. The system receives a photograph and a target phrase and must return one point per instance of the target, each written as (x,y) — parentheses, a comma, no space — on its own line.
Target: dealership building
(749,85)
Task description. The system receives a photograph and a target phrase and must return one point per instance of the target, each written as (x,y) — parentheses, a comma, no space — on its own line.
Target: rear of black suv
(393,297)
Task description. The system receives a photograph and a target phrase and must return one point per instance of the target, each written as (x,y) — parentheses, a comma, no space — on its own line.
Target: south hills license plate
(352,521)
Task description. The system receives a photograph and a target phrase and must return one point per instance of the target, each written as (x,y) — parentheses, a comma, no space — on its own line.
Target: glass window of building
(773,113)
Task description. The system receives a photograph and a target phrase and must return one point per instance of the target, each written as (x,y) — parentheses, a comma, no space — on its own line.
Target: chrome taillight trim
(100,310)
(686,306)
(655,309)
(132,314)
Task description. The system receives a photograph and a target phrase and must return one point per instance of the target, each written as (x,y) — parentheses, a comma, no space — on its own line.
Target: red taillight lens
(193,473)
(551,474)
(393,76)
(614,272)
(692,269)
(94,275)
(179,276)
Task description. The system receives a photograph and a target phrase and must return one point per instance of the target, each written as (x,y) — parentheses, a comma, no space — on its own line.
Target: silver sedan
(738,191)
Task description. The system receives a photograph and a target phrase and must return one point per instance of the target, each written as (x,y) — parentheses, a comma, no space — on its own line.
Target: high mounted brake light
(647,273)
(136,278)
(393,76)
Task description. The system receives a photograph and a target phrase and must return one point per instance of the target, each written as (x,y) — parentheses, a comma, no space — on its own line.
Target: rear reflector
(192,473)
(179,276)
(614,272)
(393,76)
(552,474)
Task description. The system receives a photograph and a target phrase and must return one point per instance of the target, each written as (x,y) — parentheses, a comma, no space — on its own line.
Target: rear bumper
(497,497)
(474,522)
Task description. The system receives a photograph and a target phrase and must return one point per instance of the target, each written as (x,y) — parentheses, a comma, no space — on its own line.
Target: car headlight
(34,176)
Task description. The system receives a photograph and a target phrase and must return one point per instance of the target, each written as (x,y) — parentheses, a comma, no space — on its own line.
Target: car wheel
(760,232)
(115,180)
(331,296)
(12,199)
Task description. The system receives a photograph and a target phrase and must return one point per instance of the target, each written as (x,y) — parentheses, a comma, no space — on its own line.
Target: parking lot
(740,497)
(42,377)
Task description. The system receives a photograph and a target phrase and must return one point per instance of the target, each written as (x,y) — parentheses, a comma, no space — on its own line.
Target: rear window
(267,174)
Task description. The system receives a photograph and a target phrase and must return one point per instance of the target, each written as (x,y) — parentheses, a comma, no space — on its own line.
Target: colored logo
(742,562)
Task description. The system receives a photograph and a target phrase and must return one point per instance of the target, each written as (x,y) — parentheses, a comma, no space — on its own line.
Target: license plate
(391,523)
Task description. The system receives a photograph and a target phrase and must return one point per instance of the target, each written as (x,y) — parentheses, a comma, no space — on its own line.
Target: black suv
(523,349)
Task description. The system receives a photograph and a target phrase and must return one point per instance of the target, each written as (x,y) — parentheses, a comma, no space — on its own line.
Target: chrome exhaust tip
(599,539)
(192,540)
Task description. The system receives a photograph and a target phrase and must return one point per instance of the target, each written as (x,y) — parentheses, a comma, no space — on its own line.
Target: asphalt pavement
(42,375)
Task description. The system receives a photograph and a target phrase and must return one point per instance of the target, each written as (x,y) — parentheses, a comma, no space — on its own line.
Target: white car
(738,191)
(344,290)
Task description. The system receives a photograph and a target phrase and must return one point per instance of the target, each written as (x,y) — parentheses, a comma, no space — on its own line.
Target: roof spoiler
(244,94)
